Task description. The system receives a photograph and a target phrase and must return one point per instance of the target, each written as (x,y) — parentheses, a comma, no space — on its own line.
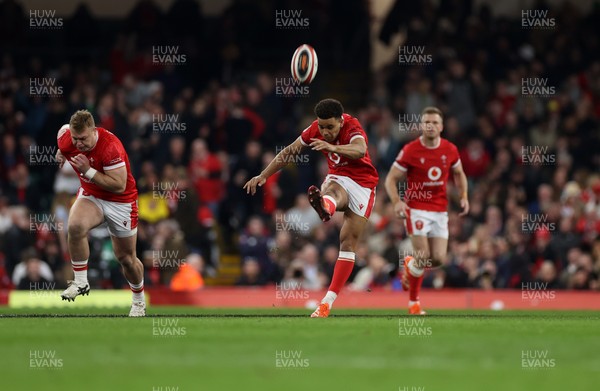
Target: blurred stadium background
(200,94)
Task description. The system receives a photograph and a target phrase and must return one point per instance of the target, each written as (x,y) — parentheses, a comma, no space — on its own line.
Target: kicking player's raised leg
(332,197)
(84,216)
(349,235)
(133,270)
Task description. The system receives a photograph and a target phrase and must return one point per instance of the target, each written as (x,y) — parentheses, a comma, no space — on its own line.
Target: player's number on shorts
(334,157)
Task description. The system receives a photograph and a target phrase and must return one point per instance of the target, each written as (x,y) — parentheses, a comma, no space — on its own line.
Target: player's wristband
(89,174)
(464,196)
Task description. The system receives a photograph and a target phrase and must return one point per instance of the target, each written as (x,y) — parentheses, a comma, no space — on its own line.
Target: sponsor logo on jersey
(434,173)
(334,157)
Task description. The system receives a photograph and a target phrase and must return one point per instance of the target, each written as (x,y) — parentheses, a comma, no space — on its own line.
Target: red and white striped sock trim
(347,256)
(414,270)
(79,266)
(137,288)
(331,204)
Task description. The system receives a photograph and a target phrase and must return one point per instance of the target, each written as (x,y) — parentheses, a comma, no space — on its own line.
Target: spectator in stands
(583,278)
(459,95)
(309,257)
(169,239)
(5,217)
(189,276)
(563,240)
(541,250)
(493,221)
(294,275)
(580,280)
(547,276)
(302,218)
(470,267)
(34,278)
(31,270)
(375,274)
(50,253)
(282,250)
(205,173)
(22,189)
(153,206)
(244,168)
(272,192)
(385,140)
(17,238)
(10,155)
(254,243)
(330,254)
(5,281)
(176,152)
(475,159)
(251,274)
(195,221)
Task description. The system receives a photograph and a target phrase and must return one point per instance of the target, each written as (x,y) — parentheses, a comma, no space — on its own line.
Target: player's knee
(437,260)
(337,193)
(422,259)
(126,259)
(333,193)
(348,244)
(76,229)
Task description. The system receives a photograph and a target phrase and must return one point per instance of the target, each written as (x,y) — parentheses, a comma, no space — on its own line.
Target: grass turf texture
(351,350)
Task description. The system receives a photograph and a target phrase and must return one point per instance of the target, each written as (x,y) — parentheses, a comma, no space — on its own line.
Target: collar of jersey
(436,147)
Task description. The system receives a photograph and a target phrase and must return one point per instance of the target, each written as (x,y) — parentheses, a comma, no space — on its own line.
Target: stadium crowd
(194,138)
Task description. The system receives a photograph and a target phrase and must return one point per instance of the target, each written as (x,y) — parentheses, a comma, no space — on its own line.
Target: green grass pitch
(183,348)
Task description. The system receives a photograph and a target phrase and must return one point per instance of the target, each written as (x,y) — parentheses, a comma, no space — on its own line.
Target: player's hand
(401,209)
(60,158)
(464,204)
(251,185)
(81,163)
(321,145)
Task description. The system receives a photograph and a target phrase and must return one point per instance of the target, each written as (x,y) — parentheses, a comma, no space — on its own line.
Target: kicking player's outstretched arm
(461,181)
(281,160)
(393,178)
(355,150)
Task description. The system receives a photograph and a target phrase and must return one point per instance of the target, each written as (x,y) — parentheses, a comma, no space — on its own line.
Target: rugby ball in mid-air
(304,64)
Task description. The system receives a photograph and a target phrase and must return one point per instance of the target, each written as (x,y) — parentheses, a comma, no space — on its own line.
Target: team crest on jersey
(91,160)
(419,224)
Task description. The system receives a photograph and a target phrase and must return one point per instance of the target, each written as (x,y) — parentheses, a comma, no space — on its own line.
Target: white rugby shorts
(360,199)
(121,217)
(426,223)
